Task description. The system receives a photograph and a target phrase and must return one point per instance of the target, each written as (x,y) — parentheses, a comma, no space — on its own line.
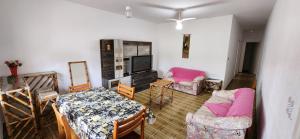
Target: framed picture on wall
(186,45)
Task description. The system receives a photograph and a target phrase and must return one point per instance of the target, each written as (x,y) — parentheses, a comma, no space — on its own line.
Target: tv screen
(141,63)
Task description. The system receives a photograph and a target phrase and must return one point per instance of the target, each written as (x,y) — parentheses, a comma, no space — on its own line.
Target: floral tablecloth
(91,113)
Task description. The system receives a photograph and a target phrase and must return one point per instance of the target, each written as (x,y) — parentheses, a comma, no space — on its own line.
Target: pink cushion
(182,74)
(219,109)
(241,90)
(243,103)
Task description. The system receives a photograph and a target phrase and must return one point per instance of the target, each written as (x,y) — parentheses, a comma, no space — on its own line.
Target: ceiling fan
(179,19)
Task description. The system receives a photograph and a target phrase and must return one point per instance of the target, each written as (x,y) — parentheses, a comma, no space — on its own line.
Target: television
(141,63)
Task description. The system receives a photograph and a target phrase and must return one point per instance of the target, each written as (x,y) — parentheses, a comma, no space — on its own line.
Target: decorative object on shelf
(13,66)
(186,45)
(150,116)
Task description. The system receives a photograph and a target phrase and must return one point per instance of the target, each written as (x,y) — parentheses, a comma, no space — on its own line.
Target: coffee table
(164,86)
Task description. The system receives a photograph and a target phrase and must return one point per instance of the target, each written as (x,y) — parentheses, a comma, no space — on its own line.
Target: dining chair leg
(142,129)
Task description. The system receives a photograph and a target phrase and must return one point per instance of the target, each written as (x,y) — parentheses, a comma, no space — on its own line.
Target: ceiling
(252,14)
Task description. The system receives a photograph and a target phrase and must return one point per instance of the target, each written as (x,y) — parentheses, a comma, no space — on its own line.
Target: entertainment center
(126,62)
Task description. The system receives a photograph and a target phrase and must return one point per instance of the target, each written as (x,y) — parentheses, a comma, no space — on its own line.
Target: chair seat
(47,95)
(131,135)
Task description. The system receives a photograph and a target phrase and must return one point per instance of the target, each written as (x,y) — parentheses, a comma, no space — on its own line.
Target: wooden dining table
(91,113)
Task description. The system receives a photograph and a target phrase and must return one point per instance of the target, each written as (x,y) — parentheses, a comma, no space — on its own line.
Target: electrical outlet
(290,107)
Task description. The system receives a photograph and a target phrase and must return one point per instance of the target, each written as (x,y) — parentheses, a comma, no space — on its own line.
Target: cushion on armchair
(182,74)
(219,109)
(243,104)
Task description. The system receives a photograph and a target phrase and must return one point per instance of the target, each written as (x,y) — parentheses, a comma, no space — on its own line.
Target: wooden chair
(79,88)
(64,130)
(44,86)
(126,91)
(79,76)
(127,126)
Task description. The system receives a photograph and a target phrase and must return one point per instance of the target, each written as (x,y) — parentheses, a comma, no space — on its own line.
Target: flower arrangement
(13,63)
(13,66)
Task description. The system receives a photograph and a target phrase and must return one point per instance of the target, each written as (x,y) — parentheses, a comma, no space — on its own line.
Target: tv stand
(141,80)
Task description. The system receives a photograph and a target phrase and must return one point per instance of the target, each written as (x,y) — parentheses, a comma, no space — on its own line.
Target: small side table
(163,85)
(212,84)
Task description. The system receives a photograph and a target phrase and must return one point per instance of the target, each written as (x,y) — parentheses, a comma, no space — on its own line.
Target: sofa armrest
(169,74)
(229,94)
(228,123)
(198,79)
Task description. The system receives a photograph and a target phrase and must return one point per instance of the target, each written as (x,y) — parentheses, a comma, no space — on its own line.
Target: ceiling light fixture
(178,25)
(128,12)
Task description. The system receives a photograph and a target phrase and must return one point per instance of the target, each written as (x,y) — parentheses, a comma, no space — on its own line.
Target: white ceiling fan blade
(186,19)
(173,20)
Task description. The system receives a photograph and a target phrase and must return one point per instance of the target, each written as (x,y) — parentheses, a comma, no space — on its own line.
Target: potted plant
(13,67)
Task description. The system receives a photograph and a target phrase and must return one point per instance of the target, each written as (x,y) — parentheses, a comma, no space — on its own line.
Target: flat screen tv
(141,63)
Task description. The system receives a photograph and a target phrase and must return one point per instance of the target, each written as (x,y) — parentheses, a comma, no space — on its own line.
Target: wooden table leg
(150,101)
(161,97)
(172,96)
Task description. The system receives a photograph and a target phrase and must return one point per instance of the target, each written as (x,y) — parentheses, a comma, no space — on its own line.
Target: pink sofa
(186,80)
(213,121)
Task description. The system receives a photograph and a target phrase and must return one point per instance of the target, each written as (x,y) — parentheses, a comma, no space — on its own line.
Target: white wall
(208,49)
(45,35)
(236,37)
(279,75)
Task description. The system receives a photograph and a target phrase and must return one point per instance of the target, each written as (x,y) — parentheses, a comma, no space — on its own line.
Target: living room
(47,35)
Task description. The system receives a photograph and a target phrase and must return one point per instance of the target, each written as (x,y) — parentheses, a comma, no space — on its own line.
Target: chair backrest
(64,130)
(79,88)
(41,80)
(126,91)
(122,128)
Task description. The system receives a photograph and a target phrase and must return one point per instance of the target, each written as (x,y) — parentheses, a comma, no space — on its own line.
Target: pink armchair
(186,80)
(205,124)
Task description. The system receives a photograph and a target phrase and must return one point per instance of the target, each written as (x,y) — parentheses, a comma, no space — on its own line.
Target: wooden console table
(163,85)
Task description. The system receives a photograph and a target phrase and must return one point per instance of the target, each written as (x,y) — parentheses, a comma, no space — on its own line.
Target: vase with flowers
(13,67)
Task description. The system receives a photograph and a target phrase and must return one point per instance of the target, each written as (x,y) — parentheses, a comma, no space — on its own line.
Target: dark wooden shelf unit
(140,80)
(107,61)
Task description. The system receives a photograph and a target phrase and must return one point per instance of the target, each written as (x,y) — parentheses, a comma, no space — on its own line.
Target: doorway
(250,57)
